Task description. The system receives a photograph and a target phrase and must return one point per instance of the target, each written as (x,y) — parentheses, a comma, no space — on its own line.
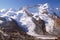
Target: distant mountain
(26,21)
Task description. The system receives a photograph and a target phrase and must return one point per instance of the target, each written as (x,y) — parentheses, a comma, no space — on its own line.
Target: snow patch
(1,21)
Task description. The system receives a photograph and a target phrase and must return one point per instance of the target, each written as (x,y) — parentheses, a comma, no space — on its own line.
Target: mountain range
(26,21)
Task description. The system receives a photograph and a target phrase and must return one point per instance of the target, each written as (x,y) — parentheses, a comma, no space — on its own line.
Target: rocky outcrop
(56,30)
(40,26)
(9,30)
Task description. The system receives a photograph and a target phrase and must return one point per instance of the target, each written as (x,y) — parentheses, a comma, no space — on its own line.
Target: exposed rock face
(9,30)
(40,26)
(39,23)
(57,26)
(9,25)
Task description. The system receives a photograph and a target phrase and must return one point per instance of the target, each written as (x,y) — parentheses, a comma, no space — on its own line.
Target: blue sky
(16,4)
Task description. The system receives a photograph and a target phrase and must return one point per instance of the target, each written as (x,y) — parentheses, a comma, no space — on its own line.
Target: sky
(16,4)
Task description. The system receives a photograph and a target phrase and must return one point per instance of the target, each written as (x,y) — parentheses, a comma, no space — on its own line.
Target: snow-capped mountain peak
(21,11)
(43,7)
(2,10)
(26,21)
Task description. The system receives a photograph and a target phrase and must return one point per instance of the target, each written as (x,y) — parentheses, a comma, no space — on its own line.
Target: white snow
(1,21)
(2,10)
